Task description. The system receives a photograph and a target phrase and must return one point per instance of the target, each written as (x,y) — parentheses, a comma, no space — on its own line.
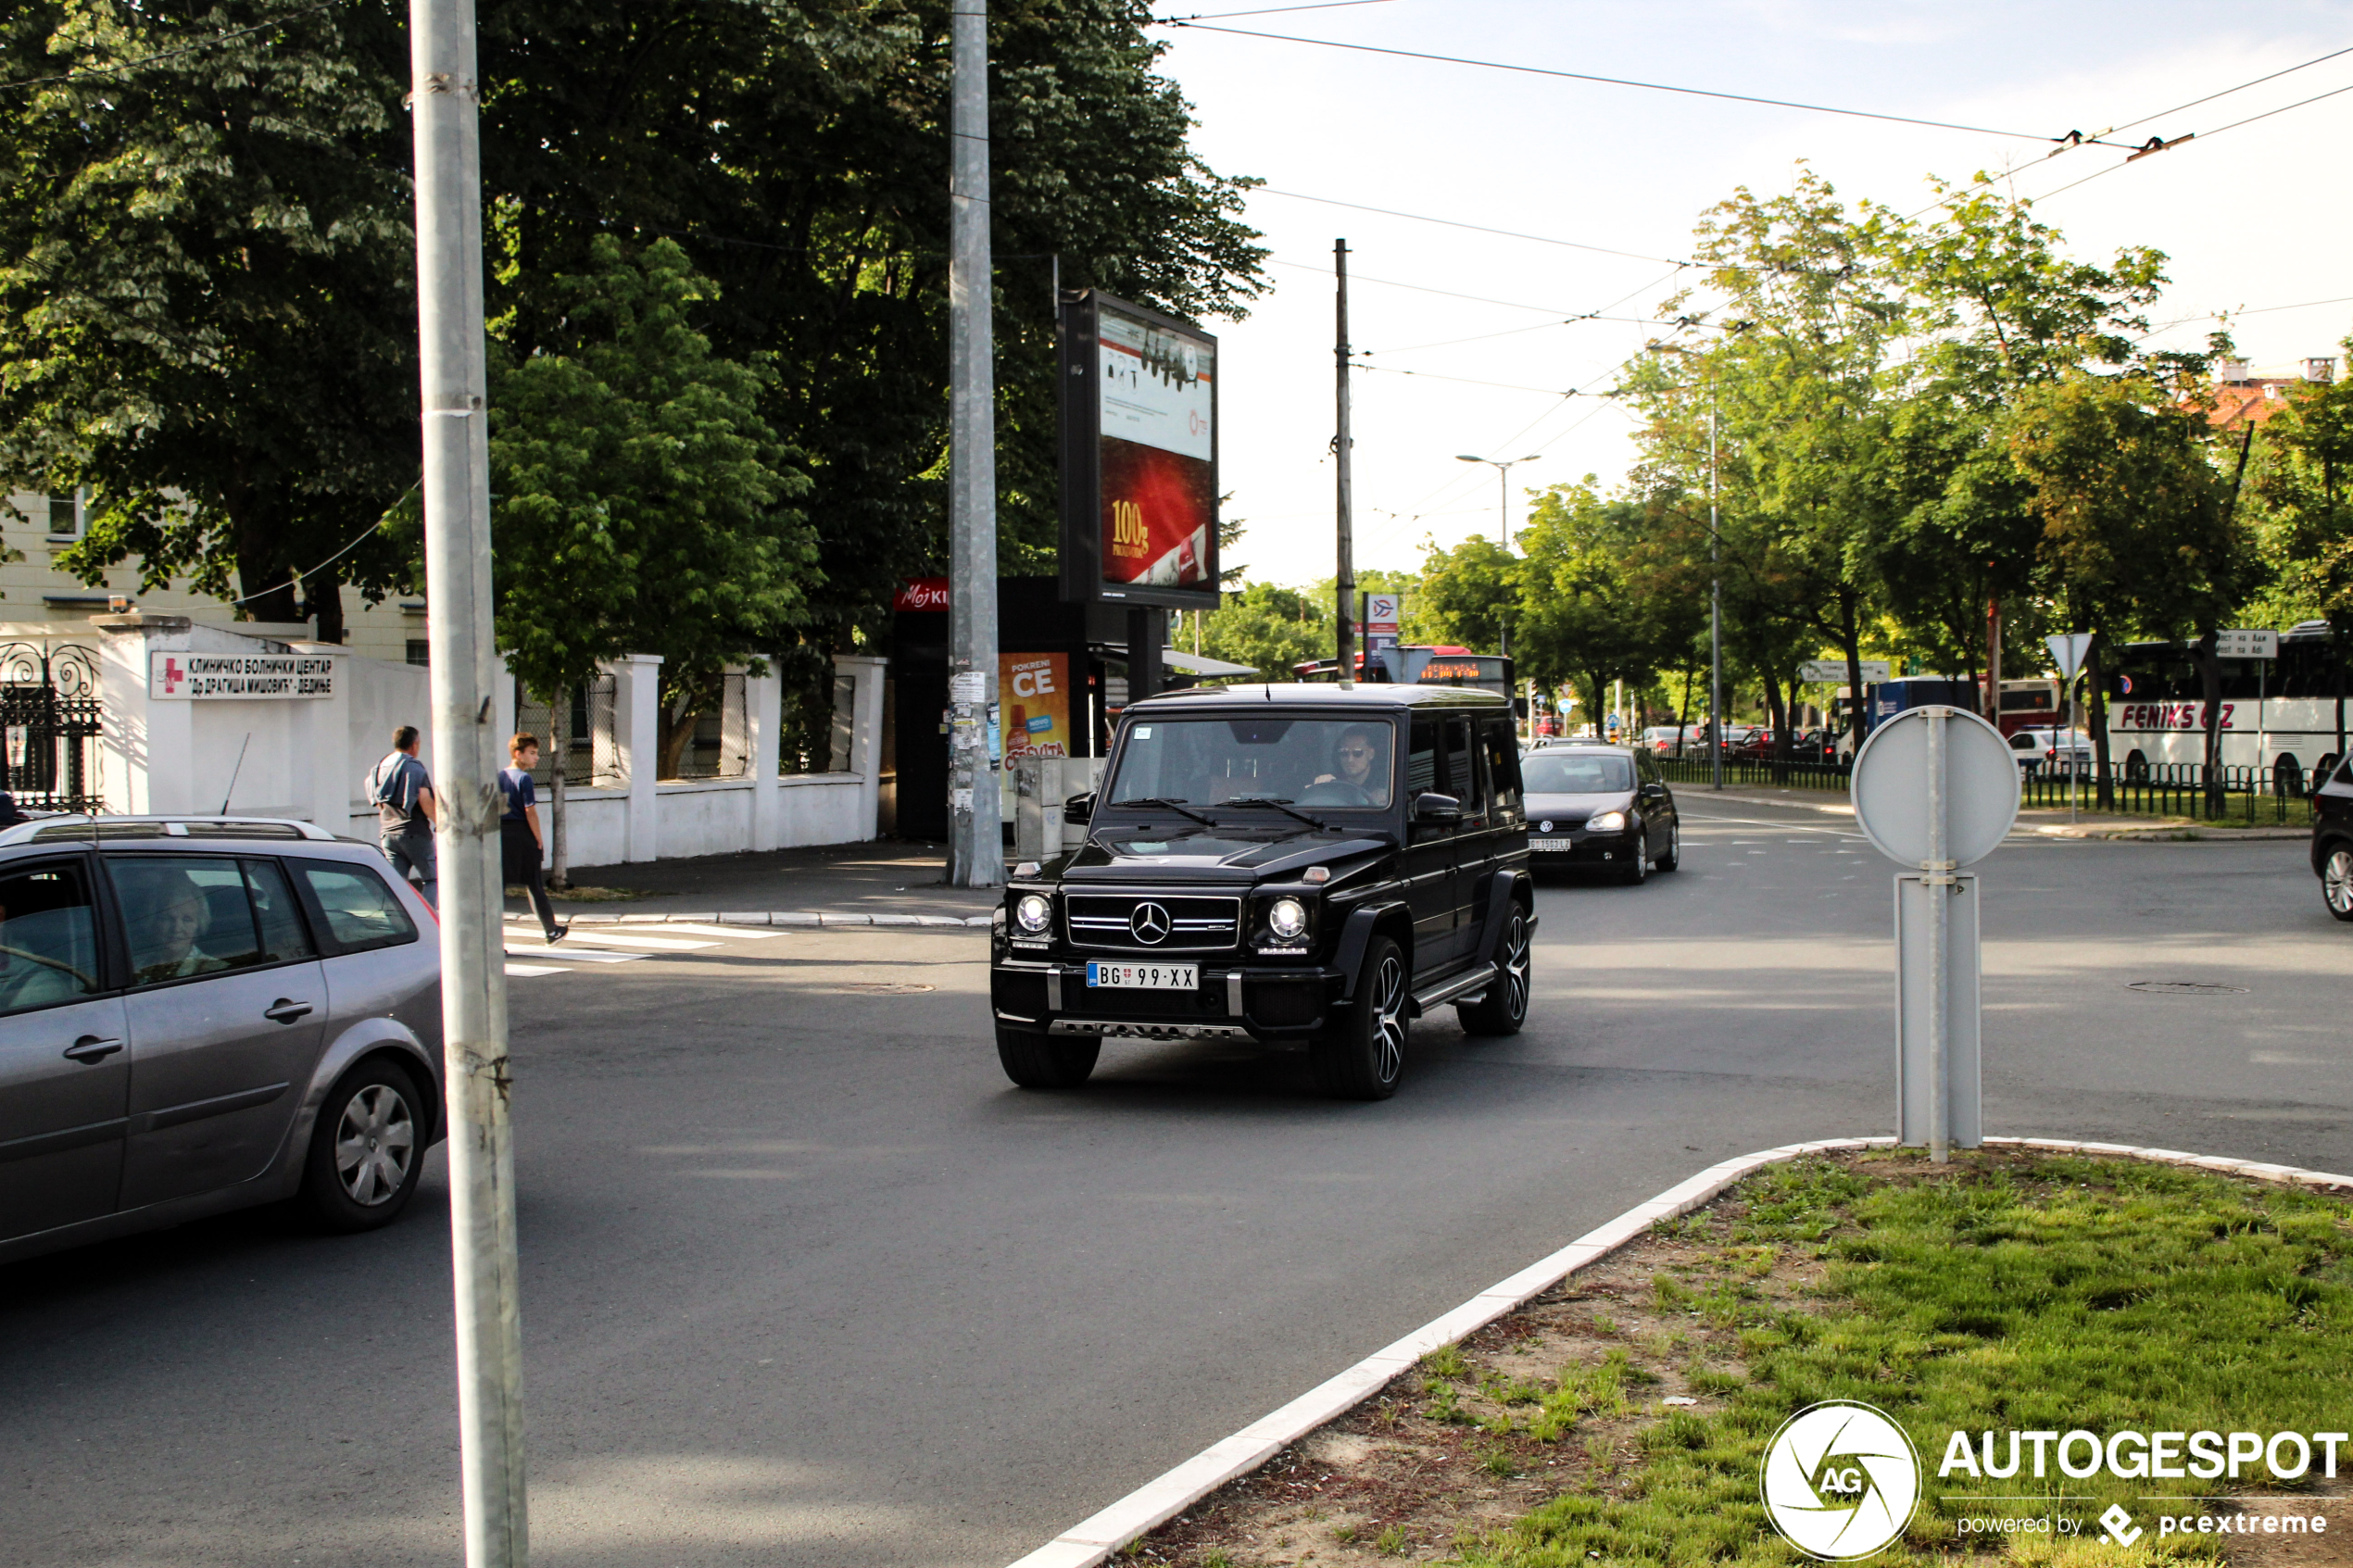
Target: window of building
(420,651)
(65,515)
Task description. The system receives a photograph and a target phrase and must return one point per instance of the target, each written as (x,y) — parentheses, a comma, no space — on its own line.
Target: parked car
(2063,753)
(1292,865)
(2333,840)
(1660,740)
(1601,807)
(204,1014)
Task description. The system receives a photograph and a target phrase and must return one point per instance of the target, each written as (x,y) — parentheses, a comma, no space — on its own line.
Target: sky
(2253,217)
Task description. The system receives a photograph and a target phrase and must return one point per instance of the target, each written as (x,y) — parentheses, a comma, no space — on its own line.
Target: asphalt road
(806,1283)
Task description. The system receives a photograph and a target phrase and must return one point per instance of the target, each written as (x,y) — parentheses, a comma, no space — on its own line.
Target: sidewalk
(2046,822)
(882,878)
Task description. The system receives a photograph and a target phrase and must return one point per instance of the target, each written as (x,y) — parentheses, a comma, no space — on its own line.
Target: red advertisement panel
(1159,511)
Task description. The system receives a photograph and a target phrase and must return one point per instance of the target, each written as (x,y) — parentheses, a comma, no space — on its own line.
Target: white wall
(307,758)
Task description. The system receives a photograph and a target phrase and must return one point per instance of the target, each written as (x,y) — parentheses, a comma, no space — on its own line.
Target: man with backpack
(401,791)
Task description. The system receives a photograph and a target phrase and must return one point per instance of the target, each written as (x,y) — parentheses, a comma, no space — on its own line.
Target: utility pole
(456,489)
(976,842)
(1715,613)
(1342,441)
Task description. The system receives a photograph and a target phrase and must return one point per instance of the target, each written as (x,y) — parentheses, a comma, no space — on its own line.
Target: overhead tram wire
(1267,11)
(1473,228)
(2071,139)
(2226,92)
(2195,135)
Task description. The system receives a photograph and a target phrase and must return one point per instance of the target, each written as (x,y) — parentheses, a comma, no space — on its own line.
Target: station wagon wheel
(1363,1056)
(1505,1007)
(366,1148)
(2337,881)
(1674,856)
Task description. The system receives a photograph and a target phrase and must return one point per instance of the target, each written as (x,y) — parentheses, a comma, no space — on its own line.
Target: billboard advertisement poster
(1034,693)
(1139,455)
(1382,614)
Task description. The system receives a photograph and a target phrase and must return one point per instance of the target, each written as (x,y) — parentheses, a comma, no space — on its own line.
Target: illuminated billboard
(1139,455)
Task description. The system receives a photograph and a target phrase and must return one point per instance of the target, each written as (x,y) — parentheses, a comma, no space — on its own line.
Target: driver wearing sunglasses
(1357,758)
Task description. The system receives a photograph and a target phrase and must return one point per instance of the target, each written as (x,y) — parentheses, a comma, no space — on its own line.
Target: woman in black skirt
(519,835)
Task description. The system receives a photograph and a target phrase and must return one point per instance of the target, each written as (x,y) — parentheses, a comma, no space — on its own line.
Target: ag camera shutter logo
(1840,1480)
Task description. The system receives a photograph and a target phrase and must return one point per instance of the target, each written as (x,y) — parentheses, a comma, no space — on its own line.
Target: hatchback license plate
(1145,976)
(1551,844)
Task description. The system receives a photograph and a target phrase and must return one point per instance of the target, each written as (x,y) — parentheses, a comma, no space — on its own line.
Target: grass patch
(2005,1293)
(1621,1418)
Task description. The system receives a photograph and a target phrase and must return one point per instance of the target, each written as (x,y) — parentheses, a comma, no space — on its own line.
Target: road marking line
(536,968)
(576,955)
(615,939)
(733,933)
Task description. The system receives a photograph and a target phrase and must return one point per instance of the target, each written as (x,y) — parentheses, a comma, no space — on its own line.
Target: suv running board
(1456,989)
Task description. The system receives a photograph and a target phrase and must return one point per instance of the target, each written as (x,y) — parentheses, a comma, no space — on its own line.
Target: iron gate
(49,718)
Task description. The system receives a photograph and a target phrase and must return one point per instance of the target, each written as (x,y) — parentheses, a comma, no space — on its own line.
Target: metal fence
(49,714)
(1690,768)
(2256,795)
(593,756)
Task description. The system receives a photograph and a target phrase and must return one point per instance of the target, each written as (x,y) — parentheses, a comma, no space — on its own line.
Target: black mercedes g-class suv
(1301,865)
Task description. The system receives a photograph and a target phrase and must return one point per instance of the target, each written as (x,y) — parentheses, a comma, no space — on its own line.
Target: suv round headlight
(1034,912)
(1287,918)
(1608,821)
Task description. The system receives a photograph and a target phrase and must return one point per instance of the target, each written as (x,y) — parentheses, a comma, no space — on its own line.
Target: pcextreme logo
(1840,1480)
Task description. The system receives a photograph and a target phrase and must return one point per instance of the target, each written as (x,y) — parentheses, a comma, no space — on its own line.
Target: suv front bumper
(1234,1001)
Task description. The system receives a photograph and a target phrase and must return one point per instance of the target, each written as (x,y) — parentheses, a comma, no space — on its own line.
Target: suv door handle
(286,1011)
(90,1048)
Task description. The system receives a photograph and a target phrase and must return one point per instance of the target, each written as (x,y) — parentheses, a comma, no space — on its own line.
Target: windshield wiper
(1279,803)
(1175,806)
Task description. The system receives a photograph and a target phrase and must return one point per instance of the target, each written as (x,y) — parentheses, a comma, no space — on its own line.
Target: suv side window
(1462,768)
(1422,759)
(48,938)
(359,912)
(186,915)
(1502,746)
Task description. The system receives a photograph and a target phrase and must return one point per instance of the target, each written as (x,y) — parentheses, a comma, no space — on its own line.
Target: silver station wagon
(205,1014)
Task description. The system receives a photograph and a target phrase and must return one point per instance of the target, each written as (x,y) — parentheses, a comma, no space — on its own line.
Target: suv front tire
(1363,1055)
(1044,1061)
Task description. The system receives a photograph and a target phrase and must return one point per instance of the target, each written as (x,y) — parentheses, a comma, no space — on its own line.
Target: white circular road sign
(1891,787)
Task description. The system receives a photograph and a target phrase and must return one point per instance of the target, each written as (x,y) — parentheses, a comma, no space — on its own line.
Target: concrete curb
(1092,1541)
(775,917)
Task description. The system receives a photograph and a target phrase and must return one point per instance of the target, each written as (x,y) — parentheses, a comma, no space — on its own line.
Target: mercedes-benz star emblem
(1150,924)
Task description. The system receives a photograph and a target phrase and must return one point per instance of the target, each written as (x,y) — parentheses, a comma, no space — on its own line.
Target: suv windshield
(1207,761)
(1570,773)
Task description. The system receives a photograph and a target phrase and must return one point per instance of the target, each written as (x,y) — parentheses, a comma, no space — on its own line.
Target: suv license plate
(1145,976)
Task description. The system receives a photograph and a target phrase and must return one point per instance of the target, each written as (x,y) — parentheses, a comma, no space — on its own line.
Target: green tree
(1468,596)
(644,506)
(1270,629)
(2305,486)
(2137,523)
(205,314)
(1606,590)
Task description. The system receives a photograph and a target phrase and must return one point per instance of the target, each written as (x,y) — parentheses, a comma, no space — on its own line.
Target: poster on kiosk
(1139,456)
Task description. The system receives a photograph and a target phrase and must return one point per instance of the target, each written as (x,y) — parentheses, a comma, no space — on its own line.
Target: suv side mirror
(1079,809)
(1432,807)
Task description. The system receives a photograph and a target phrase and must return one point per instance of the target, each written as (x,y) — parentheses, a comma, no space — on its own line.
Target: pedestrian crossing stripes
(530,955)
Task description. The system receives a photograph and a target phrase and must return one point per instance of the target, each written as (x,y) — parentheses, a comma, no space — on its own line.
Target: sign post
(2068,649)
(2263,647)
(1935,789)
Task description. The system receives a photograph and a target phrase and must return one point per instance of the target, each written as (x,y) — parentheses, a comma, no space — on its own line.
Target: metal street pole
(976,842)
(456,489)
(1715,614)
(1345,585)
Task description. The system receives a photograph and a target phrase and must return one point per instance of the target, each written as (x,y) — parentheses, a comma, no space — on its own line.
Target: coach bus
(2282,714)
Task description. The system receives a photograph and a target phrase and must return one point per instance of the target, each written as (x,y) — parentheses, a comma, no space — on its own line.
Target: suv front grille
(1196,924)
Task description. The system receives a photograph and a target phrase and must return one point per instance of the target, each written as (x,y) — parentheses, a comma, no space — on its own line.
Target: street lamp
(1504,473)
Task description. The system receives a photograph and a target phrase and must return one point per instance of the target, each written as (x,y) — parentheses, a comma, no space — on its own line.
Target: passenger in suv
(1308,865)
(203,1014)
